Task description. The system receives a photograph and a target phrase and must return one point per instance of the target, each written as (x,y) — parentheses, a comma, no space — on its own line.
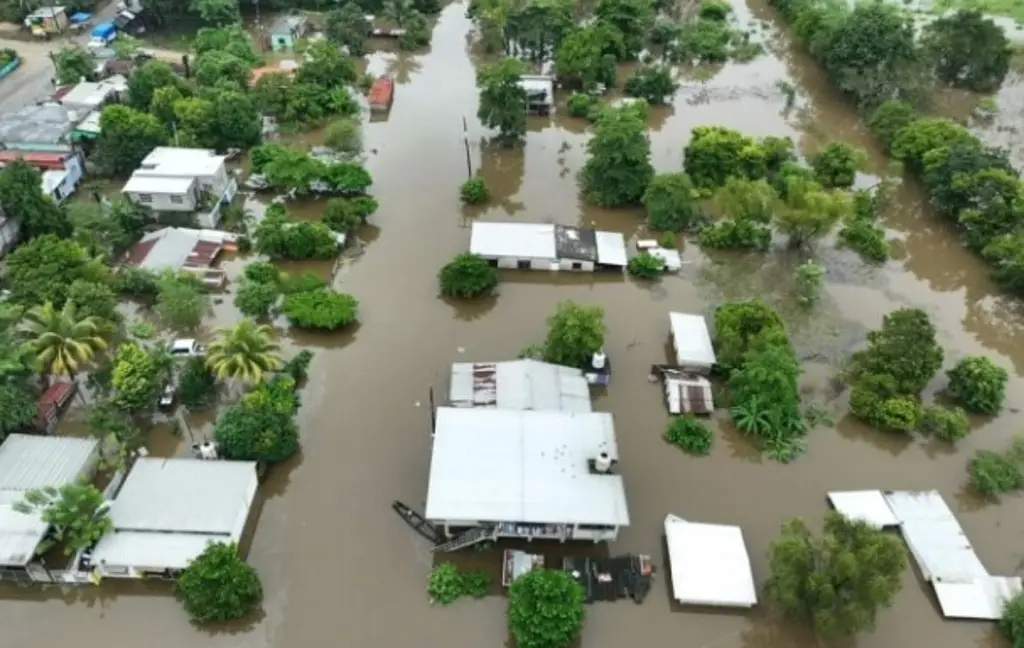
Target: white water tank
(603,463)
(207,450)
(599,360)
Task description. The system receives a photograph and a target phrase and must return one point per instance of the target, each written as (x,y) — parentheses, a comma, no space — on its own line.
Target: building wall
(185,202)
(73,169)
(569,265)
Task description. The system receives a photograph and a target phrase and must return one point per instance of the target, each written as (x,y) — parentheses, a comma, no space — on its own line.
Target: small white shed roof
(147,184)
(88,95)
(519,385)
(866,505)
(28,462)
(508,466)
(516,240)
(709,564)
(691,339)
(611,249)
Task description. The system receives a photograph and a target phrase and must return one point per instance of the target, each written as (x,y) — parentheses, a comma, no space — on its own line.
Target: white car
(187,348)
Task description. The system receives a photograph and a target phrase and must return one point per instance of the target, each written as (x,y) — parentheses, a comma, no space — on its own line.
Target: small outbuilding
(30,462)
(540,93)
(519,385)
(541,246)
(286,31)
(168,510)
(182,249)
(691,342)
(709,564)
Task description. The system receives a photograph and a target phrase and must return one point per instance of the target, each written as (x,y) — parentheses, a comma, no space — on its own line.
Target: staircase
(467,539)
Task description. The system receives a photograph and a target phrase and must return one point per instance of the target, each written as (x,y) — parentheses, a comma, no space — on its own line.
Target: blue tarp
(106,30)
(80,17)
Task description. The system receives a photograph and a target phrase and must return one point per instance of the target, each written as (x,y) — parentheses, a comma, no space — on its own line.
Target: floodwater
(340,569)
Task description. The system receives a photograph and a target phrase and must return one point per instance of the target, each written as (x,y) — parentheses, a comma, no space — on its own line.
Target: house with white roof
(497,473)
(90,96)
(168,510)
(691,342)
(31,462)
(709,564)
(544,246)
(183,180)
(519,385)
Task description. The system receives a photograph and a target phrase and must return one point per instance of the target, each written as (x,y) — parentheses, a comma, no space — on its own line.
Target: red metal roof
(38,160)
(203,254)
(55,396)
(382,93)
(137,253)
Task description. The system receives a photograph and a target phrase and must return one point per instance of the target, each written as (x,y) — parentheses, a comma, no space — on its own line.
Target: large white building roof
(547,242)
(691,339)
(146,184)
(519,385)
(523,466)
(185,162)
(709,564)
(167,510)
(28,462)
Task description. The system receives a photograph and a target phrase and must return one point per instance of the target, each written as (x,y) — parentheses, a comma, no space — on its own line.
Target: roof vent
(603,463)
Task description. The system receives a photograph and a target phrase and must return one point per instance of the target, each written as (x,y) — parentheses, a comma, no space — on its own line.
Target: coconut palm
(63,344)
(244,352)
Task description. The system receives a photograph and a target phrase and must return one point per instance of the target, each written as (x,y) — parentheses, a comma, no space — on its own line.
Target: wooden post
(433,413)
(465,141)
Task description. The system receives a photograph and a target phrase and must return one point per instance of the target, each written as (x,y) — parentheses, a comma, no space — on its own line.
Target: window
(577,265)
(177,200)
(523,265)
(145,198)
(597,527)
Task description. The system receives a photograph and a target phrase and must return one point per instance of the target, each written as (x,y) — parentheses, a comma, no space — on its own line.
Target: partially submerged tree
(321,309)
(836,165)
(978,384)
(671,202)
(255,299)
(245,352)
(77,514)
(618,168)
(655,84)
(545,609)
(969,50)
(503,101)
(467,276)
(259,428)
(180,302)
(197,386)
(137,379)
(575,334)
(219,586)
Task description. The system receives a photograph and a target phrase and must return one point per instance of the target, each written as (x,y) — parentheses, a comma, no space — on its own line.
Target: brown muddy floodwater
(340,569)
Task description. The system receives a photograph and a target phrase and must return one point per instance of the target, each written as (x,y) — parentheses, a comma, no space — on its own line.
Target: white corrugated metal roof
(27,463)
(505,466)
(709,564)
(516,240)
(184,495)
(611,249)
(866,505)
(154,550)
(682,398)
(147,184)
(671,258)
(519,385)
(88,94)
(940,548)
(182,162)
(692,339)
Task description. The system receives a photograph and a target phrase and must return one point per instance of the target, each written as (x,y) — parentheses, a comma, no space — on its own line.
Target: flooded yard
(341,569)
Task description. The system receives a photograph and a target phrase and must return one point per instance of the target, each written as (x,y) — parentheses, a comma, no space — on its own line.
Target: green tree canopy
(467,275)
(127,137)
(618,167)
(73,511)
(150,77)
(978,384)
(246,352)
(503,101)
(969,50)
(73,64)
(322,308)
(21,196)
(585,57)
(137,379)
(575,334)
(44,268)
(180,302)
(258,429)
(545,609)
(219,586)
(63,342)
(348,27)
(216,66)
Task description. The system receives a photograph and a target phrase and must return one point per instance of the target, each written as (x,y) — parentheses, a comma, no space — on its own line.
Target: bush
(258,428)
(255,299)
(305,282)
(545,609)
(474,191)
(467,276)
(298,367)
(978,384)
(689,434)
(346,214)
(712,10)
(646,266)
(581,105)
(136,282)
(736,234)
(219,586)
(900,414)
(671,202)
(447,584)
(864,238)
(667,240)
(197,386)
(262,272)
(836,165)
(809,278)
(321,309)
(993,472)
(652,83)
(1012,622)
(946,423)
(344,135)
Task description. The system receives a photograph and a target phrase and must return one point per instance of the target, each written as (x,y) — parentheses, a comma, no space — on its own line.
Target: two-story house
(183,180)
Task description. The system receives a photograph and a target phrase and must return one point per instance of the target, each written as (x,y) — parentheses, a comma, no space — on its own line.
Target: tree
(217,12)
(21,196)
(671,203)
(197,386)
(127,137)
(325,67)
(745,326)
(18,408)
(244,352)
(978,384)
(535,29)
(180,302)
(632,19)
(344,135)
(417,32)
(575,334)
(646,266)
(345,215)
(836,165)
(916,139)
(838,581)
(137,379)
(503,101)
(618,167)
(810,212)
(258,429)
(73,64)
(545,609)
(808,278)
(1012,622)
(690,435)
(94,299)
(474,191)
(652,83)
(904,348)
(106,229)
(77,514)
(43,269)
(715,154)
(148,78)
(467,276)
(991,472)
(255,299)
(63,342)
(889,119)
(218,585)
(583,58)
(349,28)
(321,309)
(279,238)
(968,50)
(948,424)
(232,39)
(216,66)
(262,272)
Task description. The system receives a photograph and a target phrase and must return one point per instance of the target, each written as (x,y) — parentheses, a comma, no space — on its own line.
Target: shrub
(218,585)
(652,83)
(258,428)
(712,10)
(946,423)
(689,434)
(346,214)
(447,584)
(978,384)
(581,104)
(993,472)
(809,277)
(545,609)
(671,202)
(344,135)
(646,266)
(900,414)
(836,165)
(262,272)
(1012,622)
(298,367)
(305,282)
(667,240)
(197,386)
(321,309)
(467,276)
(474,191)
(866,239)
(255,299)
(136,282)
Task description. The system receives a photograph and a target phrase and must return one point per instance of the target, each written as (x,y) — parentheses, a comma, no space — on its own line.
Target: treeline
(872,55)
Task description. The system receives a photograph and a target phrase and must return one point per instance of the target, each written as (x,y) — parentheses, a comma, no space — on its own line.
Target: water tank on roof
(599,360)
(603,463)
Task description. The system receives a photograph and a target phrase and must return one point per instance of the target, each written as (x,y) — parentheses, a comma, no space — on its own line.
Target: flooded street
(340,569)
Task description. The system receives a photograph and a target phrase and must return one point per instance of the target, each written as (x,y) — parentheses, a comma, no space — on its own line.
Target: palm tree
(398,11)
(62,343)
(244,352)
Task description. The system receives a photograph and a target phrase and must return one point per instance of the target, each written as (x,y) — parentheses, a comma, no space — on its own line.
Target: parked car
(187,348)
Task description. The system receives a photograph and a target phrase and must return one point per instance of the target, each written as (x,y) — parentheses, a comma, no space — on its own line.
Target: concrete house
(39,128)
(286,31)
(182,250)
(183,180)
(61,170)
(542,246)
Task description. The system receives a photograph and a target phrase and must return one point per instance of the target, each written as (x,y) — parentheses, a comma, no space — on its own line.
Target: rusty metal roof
(688,394)
(519,385)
